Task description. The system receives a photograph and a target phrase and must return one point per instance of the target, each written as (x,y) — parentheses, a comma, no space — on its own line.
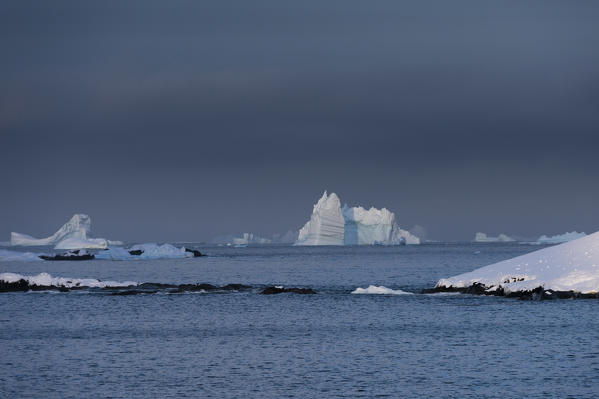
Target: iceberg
(560,238)
(146,251)
(482,237)
(249,238)
(571,266)
(326,225)
(72,235)
(332,225)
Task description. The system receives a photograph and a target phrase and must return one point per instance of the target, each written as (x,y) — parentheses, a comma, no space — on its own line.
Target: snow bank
(482,237)
(332,225)
(572,266)
(560,238)
(326,224)
(72,235)
(8,256)
(379,290)
(46,279)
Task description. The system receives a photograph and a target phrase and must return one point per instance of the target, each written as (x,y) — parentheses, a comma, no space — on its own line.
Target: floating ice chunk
(482,237)
(6,255)
(46,279)
(380,290)
(156,251)
(571,266)
(72,235)
(560,238)
(326,224)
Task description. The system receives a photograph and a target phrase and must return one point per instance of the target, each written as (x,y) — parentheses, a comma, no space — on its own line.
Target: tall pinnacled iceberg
(72,235)
(326,225)
(332,225)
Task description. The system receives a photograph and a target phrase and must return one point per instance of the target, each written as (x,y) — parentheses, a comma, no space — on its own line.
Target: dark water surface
(334,344)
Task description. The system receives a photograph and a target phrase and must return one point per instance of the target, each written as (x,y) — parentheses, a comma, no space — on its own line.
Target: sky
(185,120)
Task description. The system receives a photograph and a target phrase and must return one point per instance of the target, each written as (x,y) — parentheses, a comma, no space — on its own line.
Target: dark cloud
(185,120)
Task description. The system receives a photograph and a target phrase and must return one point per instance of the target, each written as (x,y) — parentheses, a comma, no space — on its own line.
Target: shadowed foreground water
(333,344)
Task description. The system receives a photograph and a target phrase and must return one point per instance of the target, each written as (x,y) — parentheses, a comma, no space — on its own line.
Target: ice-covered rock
(482,237)
(571,266)
(326,225)
(45,279)
(560,238)
(332,225)
(72,235)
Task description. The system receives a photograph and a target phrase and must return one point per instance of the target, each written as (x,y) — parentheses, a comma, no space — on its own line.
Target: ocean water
(333,344)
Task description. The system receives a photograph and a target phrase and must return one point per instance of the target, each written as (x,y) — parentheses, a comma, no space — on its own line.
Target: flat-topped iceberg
(72,235)
(482,237)
(330,224)
(560,238)
(572,266)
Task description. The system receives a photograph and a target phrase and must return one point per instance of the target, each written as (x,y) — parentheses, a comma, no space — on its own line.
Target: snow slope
(572,266)
(326,224)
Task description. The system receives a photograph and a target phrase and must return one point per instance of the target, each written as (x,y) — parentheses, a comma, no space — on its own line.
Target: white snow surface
(72,235)
(330,224)
(326,224)
(150,251)
(482,237)
(48,280)
(571,266)
(558,239)
(379,290)
(6,255)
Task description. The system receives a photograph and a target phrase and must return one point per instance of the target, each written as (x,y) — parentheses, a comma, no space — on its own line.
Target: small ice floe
(379,290)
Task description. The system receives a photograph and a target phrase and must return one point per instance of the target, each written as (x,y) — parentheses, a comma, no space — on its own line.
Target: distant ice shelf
(560,238)
(330,224)
(482,237)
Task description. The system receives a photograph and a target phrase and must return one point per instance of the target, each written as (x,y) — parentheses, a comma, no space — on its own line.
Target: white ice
(250,238)
(482,237)
(8,256)
(329,224)
(558,239)
(150,251)
(72,235)
(380,290)
(48,280)
(571,266)
(326,224)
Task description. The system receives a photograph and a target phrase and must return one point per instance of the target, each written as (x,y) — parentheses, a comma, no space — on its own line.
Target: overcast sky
(184,120)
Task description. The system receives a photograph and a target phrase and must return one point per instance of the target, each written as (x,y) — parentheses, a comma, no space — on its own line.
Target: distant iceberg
(249,238)
(330,224)
(560,238)
(379,290)
(482,237)
(568,267)
(326,225)
(72,235)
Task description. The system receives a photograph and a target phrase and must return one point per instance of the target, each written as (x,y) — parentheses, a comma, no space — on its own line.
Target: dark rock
(21,285)
(235,287)
(279,290)
(136,252)
(195,252)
